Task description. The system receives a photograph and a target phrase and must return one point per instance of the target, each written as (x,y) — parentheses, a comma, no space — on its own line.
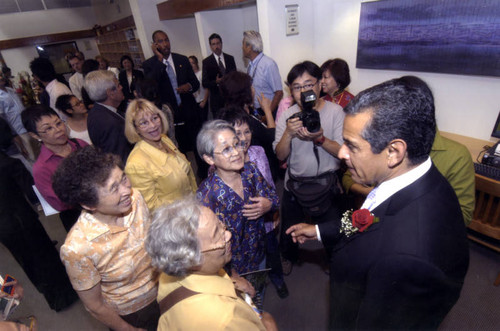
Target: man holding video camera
(308,137)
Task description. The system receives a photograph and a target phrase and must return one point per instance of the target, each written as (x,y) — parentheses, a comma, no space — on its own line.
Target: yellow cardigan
(161,178)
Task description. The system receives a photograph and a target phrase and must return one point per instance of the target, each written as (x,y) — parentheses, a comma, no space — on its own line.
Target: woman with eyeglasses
(155,166)
(44,125)
(240,196)
(76,113)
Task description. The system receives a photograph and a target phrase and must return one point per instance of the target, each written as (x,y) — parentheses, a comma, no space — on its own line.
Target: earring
(39,140)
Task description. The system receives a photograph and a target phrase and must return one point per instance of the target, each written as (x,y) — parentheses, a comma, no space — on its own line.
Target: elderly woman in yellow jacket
(155,166)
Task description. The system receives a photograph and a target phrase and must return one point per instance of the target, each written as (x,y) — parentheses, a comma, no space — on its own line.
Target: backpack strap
(175,297)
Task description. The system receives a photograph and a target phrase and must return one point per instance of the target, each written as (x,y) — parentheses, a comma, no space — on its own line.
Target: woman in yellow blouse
(155,166)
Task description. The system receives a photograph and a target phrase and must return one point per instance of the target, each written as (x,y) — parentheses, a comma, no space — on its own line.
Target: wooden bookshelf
(120,38)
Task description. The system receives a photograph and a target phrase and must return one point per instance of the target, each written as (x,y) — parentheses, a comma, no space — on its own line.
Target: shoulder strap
(175,297)
(78,146)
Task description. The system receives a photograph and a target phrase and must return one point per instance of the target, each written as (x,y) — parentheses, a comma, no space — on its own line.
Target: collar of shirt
(386,189)
(46,154)
(257,58)
(438,144)
(113,109)
(170,62)
(221,58)
(218,284)
(93,228)
(50,86)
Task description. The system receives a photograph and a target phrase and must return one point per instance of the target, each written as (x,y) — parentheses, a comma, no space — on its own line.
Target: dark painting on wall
(56,54)
(445,36)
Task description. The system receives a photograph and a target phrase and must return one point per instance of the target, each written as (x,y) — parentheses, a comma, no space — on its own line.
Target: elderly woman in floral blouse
(240,196)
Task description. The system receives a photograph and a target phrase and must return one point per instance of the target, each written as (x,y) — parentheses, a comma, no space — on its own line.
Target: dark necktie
(222,69)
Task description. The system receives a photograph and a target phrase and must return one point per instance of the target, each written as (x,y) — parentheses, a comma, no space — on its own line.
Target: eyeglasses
(51,129)
(220,246)
(229,150)
(299,88)
(143,123)
(79,103)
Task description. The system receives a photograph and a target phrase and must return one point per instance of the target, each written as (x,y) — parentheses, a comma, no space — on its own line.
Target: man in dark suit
(106,127)
(176,84)
(406,269)
(214,67)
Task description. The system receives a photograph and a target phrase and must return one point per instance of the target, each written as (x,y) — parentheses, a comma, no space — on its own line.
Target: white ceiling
(18,6)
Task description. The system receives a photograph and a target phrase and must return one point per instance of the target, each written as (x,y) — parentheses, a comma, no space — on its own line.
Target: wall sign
(292,19)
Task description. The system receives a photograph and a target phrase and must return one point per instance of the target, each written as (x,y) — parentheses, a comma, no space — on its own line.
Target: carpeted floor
(307,306)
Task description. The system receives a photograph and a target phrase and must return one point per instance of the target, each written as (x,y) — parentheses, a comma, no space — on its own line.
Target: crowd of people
(157,242)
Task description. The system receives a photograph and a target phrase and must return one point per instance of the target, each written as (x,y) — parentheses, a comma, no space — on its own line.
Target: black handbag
(314,194)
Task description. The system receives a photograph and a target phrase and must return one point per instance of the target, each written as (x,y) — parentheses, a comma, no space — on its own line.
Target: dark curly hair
(63,103)
(78,177)
(234,115)
(88,66)
(401,108)
(43,69)
(236,88)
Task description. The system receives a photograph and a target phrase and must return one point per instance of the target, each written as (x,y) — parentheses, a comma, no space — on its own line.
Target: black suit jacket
(210,70)
(154,69)
(406,271)
(128,91)
(107,131)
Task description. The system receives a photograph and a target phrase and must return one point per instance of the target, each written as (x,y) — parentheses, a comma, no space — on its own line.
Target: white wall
(36,23)
(229,24)
(182,33)
(466,105)
(106,12)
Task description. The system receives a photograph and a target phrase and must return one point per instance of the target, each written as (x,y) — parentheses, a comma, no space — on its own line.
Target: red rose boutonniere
(359,220)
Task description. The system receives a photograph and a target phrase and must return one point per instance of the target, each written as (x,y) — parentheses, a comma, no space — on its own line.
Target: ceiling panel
(8,6)
(15,6)
(29,5)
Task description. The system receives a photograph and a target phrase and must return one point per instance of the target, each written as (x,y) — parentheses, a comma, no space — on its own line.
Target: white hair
(97,83)
(253,39)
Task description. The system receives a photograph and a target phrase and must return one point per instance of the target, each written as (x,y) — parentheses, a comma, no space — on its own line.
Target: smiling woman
(155,166)
(240,197)
(104,253)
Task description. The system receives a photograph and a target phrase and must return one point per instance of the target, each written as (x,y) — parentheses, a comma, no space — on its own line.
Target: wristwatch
(319,141)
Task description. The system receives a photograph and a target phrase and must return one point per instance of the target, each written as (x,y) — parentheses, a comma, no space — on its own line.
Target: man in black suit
(406,269)
(106,127)
(176,84)
(214,67)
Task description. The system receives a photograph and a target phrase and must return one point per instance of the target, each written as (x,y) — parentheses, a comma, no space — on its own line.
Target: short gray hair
(253,39)
(97,83)
(205,141)
(172,240)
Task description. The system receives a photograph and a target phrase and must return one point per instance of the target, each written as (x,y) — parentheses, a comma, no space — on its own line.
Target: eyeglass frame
(220,246)
(227,152)
(155,119)
(307,87)
(51,128)
(79,103)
